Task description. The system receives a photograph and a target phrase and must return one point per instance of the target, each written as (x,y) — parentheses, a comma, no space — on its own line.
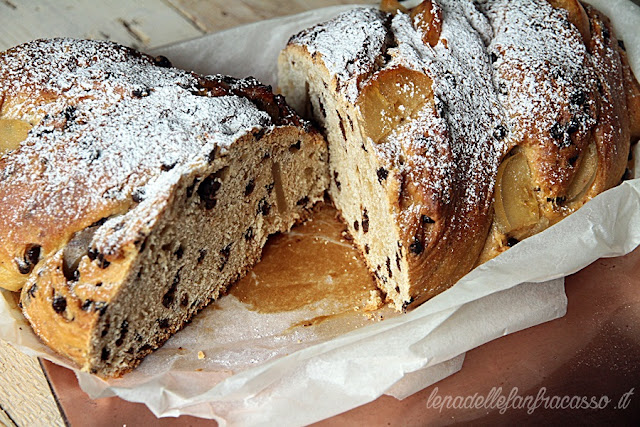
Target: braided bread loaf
(134,193)
(458,128)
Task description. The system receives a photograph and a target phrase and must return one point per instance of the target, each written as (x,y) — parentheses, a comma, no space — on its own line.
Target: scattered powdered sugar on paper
(108,123)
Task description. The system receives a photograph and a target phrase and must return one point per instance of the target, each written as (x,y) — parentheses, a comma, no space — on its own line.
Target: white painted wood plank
(142,24)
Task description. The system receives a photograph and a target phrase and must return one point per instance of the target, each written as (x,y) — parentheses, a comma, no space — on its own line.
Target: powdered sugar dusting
(110,126)
(362,37)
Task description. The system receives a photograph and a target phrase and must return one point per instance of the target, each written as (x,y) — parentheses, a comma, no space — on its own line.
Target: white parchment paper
(258,370)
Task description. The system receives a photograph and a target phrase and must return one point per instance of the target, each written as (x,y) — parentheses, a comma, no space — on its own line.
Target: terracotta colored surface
(593,351)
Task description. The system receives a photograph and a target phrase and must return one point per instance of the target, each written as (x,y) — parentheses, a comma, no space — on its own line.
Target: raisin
(248,189)
(303,202)
(207,191)
(59,304)
(162,61)
(365,221)
(201,254)
(512,241)
(382,174)
(416,247)
(105,354)
(356,225)
(500,132)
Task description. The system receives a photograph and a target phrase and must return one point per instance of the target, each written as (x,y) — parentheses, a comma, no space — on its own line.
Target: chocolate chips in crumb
(59,304)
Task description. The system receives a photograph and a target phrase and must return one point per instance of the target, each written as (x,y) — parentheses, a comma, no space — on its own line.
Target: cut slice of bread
(140,192)
(458,128)
(410,129)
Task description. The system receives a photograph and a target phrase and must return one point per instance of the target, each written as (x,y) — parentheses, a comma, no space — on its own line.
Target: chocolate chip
(605,33)
(303,202)
(382,174)
(621,44)
(335,179)
(224,252)
(366,249)
(59,304)
(142,92)
(248,235)
(30,259)
(191,187)
(70,113)
(365,221)
(557,131)
(270,187)
(263,207)
(212,154)
(296,146)
(168,298)
(163,323)
(102,263)
(248,189)
(179,252)
(344,134)
(493,57)
(573,126)
(32,290)
(138,195)
(398,261)
(500,132)
(573,160)
(512,241)
(416,247)
(105,354)
(201,254)
(87,304)
(364,148)
(322,110)
(427,220)
(184,301)
(168,166)
(578,97)
(124,328)
(356,225)
(389,272)
(162,61)
(101,307)
(557,200)
(207,191)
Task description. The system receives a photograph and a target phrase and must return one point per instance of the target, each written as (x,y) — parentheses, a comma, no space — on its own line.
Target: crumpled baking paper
(257,370)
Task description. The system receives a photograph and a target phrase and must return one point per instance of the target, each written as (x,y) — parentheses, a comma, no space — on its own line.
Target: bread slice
(134,193)
(411,130)
(458,128)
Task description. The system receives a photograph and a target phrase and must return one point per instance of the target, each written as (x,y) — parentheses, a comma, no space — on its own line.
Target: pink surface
(594,351)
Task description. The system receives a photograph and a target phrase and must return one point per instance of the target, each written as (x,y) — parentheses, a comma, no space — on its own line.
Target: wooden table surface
(25,396)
